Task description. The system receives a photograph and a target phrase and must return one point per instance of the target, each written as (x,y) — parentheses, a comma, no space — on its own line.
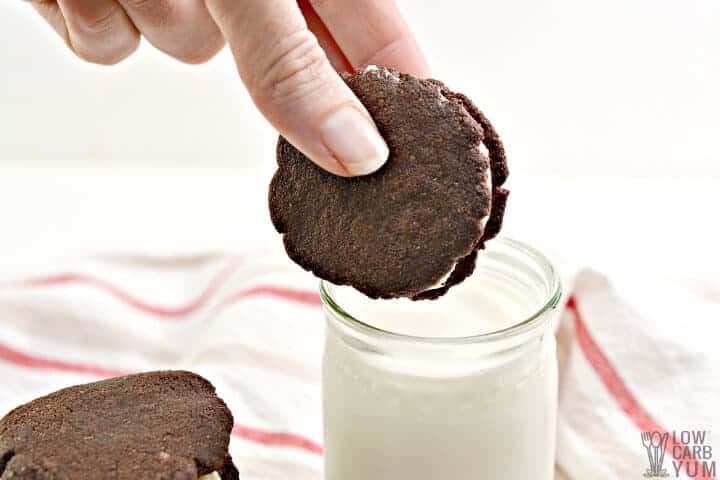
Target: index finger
(372,32)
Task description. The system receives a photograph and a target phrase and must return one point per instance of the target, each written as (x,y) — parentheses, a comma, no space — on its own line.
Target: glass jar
(459,388)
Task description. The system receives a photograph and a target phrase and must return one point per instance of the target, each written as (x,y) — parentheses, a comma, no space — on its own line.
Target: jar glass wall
(463,387)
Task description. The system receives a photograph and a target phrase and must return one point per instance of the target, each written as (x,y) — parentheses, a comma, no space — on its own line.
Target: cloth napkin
(641,358)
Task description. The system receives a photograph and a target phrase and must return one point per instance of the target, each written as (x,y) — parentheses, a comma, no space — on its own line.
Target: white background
(619,87)
(609,111)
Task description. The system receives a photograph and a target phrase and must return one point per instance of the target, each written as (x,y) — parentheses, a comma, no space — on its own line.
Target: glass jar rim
(529,323)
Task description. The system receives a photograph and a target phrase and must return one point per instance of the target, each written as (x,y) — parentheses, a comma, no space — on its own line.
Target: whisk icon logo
(655,444)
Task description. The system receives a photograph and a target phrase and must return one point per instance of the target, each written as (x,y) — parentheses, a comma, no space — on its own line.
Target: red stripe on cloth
(305,297)
(131,300)
(618,389)
(15,357)
(277,439)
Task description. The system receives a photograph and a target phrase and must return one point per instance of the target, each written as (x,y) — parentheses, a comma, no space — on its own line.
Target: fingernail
(354,141)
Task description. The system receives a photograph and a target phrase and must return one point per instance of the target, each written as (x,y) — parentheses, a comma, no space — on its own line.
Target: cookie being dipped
(162,425)
(413,228)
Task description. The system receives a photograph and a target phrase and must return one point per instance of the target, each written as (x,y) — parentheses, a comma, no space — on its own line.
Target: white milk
(408,408)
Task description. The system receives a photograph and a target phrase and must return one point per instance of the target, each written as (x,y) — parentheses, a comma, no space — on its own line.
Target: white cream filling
(382,71)
(488,180)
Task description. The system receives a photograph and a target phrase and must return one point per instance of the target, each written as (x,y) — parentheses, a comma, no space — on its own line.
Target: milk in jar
(460,388)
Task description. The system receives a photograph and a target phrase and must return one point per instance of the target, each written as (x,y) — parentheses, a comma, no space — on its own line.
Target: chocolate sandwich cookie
(162,425)
(413,228)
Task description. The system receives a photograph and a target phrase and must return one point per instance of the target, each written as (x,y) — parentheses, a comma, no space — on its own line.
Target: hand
(287,53)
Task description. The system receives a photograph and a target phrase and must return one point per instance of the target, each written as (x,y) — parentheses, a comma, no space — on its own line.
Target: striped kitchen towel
(631,361)
(639,357)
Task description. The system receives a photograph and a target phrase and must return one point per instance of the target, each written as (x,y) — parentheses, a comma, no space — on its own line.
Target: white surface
(642,226)
(621,87)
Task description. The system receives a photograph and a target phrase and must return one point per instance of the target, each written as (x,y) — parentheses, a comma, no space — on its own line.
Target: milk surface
(474,307)
(395,415)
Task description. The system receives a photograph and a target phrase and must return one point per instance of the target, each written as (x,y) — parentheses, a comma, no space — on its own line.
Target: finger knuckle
(295,69)
(98,25)
(156,12)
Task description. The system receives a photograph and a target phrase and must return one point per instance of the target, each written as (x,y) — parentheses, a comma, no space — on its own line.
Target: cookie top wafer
(412,228)
(164,425)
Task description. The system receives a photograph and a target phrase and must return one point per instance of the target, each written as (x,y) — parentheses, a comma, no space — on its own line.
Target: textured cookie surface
(159,425)
(400,231)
